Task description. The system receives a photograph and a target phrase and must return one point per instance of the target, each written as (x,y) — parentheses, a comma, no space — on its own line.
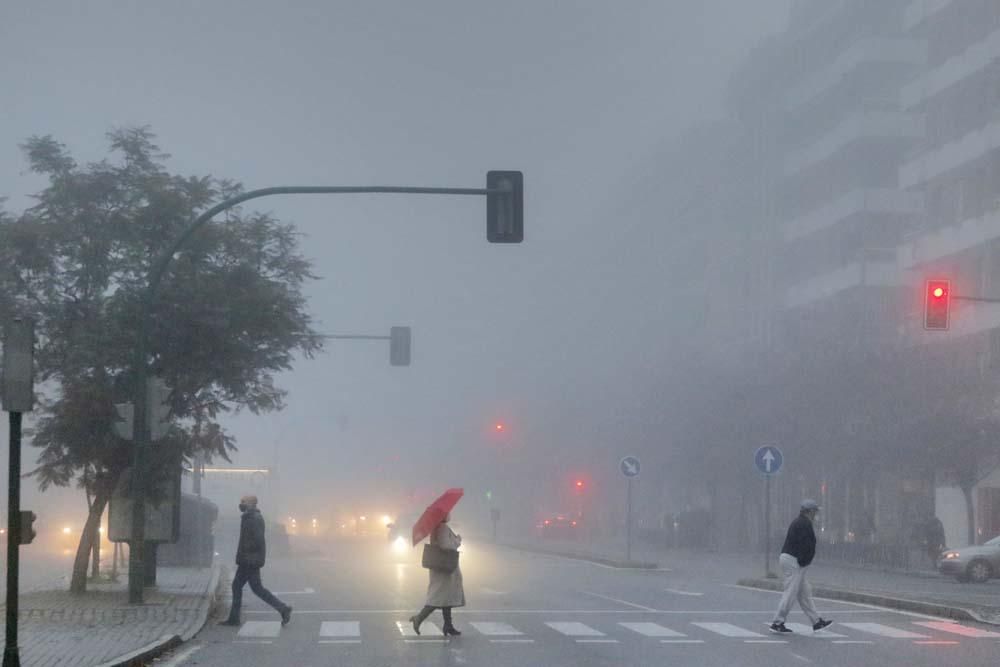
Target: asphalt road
(351,605)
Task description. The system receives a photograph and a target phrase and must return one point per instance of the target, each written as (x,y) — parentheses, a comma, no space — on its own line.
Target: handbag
(436,558)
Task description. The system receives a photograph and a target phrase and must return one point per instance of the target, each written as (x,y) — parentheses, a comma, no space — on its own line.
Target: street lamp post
(504,225)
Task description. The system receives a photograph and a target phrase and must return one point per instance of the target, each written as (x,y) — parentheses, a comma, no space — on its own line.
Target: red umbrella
(435,513)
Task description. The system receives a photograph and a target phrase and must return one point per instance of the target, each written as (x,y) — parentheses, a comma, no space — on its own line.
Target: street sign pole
(628,523)
(767,528)
(768,461)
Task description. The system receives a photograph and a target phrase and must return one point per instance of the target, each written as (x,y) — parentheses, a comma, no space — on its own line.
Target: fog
(573,340)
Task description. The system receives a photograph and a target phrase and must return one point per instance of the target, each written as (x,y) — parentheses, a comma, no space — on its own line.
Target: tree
(230,315)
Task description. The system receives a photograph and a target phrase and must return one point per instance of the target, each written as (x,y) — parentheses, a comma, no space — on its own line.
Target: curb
(154,649)
(609,562)
(919,606)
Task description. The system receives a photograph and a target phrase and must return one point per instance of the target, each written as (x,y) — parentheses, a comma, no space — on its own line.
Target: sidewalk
(100,628)
(921,591)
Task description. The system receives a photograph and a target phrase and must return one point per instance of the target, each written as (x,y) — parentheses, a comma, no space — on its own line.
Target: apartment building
(956,168)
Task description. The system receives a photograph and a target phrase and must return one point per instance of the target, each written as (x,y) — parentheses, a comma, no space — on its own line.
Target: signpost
(768,461)
(17,394)
(630,469)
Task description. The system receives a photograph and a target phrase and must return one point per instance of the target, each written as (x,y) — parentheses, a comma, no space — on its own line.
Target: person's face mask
(243,507)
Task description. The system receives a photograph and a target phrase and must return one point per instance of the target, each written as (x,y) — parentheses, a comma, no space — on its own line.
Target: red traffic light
(498,427)
(579,483)
(937,305)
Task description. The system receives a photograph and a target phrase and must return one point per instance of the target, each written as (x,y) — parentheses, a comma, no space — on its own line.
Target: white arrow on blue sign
(768,459)
(630,466)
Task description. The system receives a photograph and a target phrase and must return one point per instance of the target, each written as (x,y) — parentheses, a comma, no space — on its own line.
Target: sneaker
(286,615)
(779,628)
(820,624)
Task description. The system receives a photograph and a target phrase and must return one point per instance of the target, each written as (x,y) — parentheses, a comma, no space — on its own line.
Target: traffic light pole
(11,655)
(506,231)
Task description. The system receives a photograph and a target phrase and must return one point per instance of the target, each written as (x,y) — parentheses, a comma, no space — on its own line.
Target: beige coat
(445,588)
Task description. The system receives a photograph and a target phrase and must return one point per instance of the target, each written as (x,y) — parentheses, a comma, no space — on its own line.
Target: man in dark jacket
(250,556)
(796,555)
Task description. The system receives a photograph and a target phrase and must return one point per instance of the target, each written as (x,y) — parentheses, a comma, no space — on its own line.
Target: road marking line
(252,641)
(884,630)
(178,658)
(764,641)
(306,591)
(688,593)
(853,641)
(340,629)
(258,629)
(727,630)
(596,641)
(574,629)
(682,641)
(757,612)
(495,629)
(937,642)
(652,630)
(406,628)
(425,641)
(806,631)
(512,641)
(622,602)
(339,641)
(956,629)
(865,607)
(490,591)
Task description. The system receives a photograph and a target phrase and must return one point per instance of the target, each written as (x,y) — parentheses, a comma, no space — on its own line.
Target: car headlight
(399,545)
(951,555)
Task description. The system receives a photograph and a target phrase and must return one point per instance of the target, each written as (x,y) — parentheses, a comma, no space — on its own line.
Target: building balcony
(931,164)
(860,55)
(921,10)
(858,202)
(973,60)
(878,269)
(934,246)
(861,126)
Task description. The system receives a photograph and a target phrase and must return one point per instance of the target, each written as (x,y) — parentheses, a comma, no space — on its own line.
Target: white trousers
(796,588)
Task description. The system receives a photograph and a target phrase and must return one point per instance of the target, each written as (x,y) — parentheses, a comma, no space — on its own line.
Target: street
(352,604)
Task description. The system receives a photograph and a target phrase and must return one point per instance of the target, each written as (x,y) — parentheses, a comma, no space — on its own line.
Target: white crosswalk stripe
(350,631)
(496,629)
(727,630)
(259,630)
(884,630)
(340,629)
(575,629)
(803,629)
(427,628)
(652,630)
(957,629)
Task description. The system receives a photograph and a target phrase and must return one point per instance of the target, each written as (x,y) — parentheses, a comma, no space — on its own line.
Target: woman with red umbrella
(445,590)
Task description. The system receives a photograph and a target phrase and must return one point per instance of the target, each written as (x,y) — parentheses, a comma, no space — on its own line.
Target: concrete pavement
(352,604)
(58,629)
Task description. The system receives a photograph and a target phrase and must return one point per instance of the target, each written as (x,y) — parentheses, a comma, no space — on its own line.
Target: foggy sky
(556,337)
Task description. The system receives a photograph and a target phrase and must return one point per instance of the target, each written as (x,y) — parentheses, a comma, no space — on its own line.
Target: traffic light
(498,427)
(399,346)
(505,209)
(937,305)
(579,485)
(27,532)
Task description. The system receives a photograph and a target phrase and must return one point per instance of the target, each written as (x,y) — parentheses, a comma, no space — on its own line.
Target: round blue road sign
(768,460)
(630,466)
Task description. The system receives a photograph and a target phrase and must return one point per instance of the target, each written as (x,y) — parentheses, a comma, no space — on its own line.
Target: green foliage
(230,314)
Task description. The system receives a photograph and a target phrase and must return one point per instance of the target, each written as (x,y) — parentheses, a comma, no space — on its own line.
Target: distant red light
(499,427)
(579,484)
(938,292)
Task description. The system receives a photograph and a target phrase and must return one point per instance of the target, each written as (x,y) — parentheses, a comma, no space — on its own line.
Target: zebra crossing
(353,631)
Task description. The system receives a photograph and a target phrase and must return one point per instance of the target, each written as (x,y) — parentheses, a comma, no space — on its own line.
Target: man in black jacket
(796,555)
(250,556)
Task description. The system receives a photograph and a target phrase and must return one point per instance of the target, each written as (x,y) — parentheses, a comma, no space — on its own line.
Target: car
(976,563)
(559,528)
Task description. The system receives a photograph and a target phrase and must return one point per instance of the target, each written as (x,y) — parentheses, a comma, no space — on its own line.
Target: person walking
(250,556)
(934,540)
(796,555)
(445,590)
